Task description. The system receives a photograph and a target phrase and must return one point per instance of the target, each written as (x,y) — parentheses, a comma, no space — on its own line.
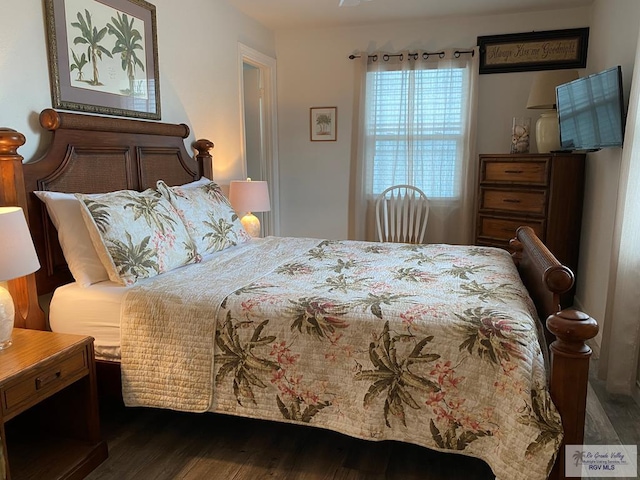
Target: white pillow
(196,183)
(136,234)
(83,261)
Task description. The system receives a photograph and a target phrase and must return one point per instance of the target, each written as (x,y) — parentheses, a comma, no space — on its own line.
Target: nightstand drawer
(44,381)
(504,171)
(524,201)
(499,228)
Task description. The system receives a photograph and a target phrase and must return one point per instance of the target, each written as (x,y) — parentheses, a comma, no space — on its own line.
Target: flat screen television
(591,111)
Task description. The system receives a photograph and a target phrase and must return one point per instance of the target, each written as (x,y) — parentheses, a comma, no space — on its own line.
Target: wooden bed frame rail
(567,330)
(143,147)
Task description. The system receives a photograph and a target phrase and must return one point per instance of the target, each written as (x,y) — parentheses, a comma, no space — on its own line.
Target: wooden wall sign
(521,52)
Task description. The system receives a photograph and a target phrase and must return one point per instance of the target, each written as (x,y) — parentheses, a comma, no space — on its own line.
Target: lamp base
(7,314)
(548,132)
(251,224)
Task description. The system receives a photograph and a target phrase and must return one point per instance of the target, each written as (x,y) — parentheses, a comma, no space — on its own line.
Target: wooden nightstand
(49,419)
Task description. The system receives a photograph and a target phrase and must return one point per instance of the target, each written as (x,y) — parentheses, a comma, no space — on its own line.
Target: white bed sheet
(94,311)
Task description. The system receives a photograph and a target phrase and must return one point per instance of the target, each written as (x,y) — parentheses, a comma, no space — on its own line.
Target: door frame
(269,130)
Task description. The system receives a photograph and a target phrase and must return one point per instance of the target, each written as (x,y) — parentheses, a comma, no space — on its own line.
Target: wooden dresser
(543,191)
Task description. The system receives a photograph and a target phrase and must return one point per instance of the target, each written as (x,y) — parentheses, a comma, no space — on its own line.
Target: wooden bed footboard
(567,331)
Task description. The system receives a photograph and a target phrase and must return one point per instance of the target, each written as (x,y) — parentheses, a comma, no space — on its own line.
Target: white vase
(547,132)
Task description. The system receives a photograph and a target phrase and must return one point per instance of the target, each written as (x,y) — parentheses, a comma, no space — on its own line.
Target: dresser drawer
(44,381)
(504,229)
(534,172)
(524,201)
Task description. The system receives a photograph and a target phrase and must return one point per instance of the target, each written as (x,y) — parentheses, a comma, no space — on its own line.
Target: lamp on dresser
(249,196)
(17,259)
(543,97)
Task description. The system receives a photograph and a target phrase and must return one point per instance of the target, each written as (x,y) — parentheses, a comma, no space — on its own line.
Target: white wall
(198,62)
(314,71)
(612,41)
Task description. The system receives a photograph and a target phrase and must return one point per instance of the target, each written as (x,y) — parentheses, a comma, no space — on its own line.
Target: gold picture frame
(103,57)
(546,50)
(323,124)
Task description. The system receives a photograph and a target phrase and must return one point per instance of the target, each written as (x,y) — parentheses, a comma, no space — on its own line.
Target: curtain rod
(425,55)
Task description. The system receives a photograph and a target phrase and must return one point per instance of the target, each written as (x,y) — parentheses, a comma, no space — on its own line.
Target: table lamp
(543,96)
(249,196)
(17,259)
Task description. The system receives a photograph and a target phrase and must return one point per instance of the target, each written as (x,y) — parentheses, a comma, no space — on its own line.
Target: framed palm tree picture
(103,57)
(323,124)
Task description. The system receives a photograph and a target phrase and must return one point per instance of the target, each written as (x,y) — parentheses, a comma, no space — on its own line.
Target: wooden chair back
(402,212)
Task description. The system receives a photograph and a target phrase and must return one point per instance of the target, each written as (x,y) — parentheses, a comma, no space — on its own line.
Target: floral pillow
(207,214)
(136,234)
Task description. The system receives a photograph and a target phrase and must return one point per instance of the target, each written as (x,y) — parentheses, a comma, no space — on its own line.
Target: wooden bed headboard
(89,154)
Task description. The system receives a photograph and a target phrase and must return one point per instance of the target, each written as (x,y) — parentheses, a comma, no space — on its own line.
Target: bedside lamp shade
(17,259)
(543,96)
(249,196)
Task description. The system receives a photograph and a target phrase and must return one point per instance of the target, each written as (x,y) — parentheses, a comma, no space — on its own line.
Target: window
(416,127)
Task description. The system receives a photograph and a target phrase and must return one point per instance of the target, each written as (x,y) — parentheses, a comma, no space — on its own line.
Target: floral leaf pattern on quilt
(294,411)
(426,258)
(320,252)
(388,348)
(393,377)
(374,302)
(316,316)
(412,274)
(296,400)
(541,415)
(343,283)
(491,334)
(295,268)
(241,360)
(344,265)
(374,248)
(463,272)
(488,292)
(452,440)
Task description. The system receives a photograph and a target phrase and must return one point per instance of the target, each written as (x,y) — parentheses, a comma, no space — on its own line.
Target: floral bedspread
(433,344)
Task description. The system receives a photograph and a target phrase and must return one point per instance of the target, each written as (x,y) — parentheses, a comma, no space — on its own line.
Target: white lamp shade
(17,254)
(249,196)
(543,89)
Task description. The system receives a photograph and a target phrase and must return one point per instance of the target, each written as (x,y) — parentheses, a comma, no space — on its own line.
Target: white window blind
(415,122)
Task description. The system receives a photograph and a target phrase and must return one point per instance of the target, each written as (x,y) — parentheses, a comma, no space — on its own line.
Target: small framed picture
(323,124)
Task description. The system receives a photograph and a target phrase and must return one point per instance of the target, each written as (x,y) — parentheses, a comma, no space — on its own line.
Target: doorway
(259,128)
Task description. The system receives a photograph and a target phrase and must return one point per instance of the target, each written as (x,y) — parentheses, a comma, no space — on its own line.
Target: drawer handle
(43,381)
(510,200)
(513,171)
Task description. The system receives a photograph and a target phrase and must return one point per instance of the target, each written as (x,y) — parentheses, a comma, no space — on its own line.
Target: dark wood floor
(157,444)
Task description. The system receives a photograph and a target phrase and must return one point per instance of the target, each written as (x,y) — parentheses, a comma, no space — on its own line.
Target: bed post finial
(12,193)
(570,374)
(204,157)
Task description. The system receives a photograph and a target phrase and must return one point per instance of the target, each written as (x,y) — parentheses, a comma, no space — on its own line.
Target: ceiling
(277,14)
